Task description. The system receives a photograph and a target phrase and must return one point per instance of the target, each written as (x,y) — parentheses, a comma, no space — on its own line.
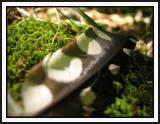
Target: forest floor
(125,91)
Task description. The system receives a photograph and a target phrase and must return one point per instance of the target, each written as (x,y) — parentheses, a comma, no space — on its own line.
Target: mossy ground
(29,41)
(129,94)
(135,86)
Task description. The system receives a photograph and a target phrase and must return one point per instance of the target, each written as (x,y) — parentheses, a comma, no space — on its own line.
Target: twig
(146,34)
(90,21)
(87,19)
(66,16)
(23,12)
(58,17)
(16,17)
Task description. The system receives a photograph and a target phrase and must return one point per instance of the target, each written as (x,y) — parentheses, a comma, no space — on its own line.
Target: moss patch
(29,41)
(136,98)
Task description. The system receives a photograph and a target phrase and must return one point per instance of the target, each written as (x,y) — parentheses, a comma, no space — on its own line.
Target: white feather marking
(68,74)
(94,48)
(101,34)
(63,68)
(88,45)
(36,98)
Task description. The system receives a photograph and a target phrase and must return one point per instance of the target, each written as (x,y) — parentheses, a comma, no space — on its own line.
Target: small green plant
(117,85)
(120,108)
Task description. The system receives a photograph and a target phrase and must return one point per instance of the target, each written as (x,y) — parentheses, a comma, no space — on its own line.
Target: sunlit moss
(28,41)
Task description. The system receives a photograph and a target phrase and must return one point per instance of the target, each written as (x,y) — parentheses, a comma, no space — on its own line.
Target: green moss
(139,69)
(121,108)
(136,99)
(29,41)
(16,90)
(117,85)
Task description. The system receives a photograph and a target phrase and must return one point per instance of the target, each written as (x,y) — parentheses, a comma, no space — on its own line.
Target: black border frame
(87,7)
(89,1)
